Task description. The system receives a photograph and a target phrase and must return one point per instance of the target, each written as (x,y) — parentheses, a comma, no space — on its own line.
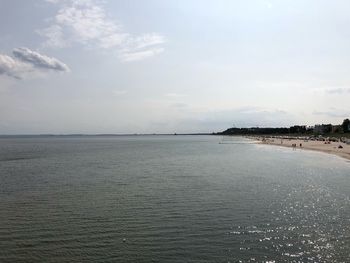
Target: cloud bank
(85,22)
(338,91)
(24,60)
(334,112)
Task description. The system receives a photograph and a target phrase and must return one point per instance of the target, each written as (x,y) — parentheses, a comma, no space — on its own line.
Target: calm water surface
(170,199)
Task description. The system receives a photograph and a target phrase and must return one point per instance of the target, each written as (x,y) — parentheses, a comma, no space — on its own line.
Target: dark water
(170,199)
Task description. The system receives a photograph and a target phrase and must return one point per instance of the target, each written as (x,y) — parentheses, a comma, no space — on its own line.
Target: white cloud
(338,91)
(10,67)
(145,40)
(334,112)
(139,54)
(54,37)
(86,22)
(38,60)
(26,61)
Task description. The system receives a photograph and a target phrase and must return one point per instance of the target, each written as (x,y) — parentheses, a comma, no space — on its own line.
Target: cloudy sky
(135,66)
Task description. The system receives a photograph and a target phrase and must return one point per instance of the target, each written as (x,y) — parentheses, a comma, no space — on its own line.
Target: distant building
(323,128)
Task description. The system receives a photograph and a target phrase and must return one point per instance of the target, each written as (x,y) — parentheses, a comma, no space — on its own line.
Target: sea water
(170,199)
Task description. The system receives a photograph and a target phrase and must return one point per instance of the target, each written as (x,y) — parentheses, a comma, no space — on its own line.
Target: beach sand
(331,148)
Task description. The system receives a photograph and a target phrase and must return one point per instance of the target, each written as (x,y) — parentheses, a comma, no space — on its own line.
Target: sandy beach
(329,147)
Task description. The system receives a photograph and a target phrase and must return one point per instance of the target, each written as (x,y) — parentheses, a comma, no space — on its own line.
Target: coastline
(320,146)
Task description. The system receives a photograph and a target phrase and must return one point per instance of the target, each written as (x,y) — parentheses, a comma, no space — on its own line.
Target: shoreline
(320,146)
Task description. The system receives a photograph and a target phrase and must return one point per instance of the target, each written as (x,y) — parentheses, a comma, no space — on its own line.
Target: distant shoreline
(98,135)
(320,146)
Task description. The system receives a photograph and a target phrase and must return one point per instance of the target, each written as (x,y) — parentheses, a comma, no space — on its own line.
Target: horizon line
(104,134)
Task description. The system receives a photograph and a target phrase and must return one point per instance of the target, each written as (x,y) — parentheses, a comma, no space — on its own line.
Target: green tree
(346,125)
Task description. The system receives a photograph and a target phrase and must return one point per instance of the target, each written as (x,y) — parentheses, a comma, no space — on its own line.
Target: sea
(170,199)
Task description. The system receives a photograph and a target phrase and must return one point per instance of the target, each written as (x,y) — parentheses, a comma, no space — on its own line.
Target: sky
(155,66)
